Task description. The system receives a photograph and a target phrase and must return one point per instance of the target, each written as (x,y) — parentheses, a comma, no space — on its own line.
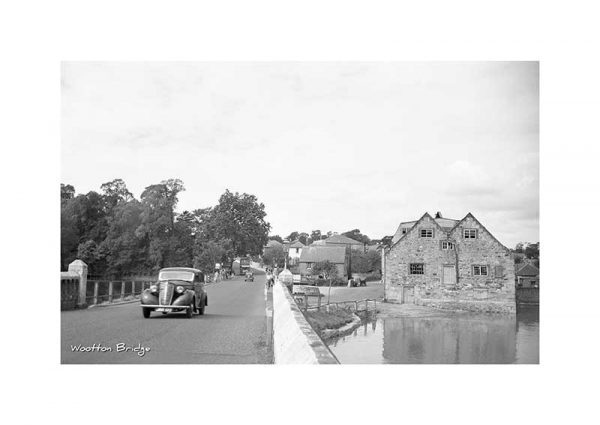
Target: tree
(357,236)
(274,256)
(315,235)
(241,219)
(66,192)
(519,247)
(532,250)
(293,236)
(123,251)
(208,253)
(114,192)
(328,270)
(158,221)
(303,237)
(276,238)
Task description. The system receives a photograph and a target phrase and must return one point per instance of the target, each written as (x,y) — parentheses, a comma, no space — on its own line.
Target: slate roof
(341,239)
(446,224)
(273,243)
(315,254)
(528,270)
(297,244)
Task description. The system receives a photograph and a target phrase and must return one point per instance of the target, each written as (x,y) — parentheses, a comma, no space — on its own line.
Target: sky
(332,146)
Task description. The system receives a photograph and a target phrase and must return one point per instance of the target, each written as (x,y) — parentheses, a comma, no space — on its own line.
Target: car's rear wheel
(146,312)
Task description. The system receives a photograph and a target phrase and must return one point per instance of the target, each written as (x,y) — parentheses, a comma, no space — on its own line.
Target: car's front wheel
(190,311)
(146,312)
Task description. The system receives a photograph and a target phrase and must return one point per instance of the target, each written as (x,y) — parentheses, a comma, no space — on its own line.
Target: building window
(447,245)
(404,231)
(480,270)
(417,268)
(426,233)
(309,265)
(470,233)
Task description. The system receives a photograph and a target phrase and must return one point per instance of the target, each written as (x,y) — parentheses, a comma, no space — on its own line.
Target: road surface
(232,330)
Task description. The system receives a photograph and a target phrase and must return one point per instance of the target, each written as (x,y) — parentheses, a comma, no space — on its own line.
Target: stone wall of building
(494,292)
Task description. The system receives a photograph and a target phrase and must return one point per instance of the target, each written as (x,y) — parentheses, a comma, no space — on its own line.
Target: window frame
(480,267)
(426,229)
(410,269)
(449,247)
(470,229)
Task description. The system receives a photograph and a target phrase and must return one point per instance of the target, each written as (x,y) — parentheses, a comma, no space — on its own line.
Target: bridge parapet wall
(294,340)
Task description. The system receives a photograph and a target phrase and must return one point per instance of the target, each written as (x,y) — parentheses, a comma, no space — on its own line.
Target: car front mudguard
(184,299)
(149,298)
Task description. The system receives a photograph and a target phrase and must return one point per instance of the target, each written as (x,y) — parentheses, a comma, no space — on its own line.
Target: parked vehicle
(249,277)
(244,265)
(179,289)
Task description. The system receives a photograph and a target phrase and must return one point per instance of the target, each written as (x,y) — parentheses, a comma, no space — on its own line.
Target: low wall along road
(294,340)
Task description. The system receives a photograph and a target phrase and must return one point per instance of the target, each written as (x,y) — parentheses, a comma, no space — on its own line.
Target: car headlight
(180,289)
(153,288)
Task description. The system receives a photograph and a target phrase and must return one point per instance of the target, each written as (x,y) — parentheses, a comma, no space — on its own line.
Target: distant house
(528,276)
(271,245)
(311,255)
(294,251)
(447,263)
(341,240)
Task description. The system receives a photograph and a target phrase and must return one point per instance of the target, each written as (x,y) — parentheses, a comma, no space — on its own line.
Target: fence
(108,291)
(304,301)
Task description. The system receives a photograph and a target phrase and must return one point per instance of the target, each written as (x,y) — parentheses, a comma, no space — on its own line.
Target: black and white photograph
(300,212)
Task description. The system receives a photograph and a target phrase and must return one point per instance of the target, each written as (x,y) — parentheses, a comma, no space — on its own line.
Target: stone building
(452,264)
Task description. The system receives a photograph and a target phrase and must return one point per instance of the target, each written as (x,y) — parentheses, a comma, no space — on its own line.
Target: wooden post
(110,292)
(305,302)
(96,292)
(319,303)
(355,306)
(367,305)
(122,290)
(133,288)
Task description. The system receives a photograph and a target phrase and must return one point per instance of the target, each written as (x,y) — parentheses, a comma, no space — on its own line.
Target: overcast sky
(329,146)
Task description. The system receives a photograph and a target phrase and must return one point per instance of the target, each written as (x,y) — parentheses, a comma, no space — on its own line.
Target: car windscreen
(176,275)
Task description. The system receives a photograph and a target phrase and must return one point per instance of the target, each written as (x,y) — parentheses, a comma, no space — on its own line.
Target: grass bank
(321,320)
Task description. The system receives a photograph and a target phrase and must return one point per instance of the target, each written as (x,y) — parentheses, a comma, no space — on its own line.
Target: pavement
(232,330)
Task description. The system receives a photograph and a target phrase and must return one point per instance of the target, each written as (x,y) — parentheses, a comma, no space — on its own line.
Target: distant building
(311,255)
(271,245)
(446,263)
(340,240)
(294,252)
(528,276)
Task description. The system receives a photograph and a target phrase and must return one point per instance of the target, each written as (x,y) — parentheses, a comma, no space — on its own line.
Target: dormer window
(426,233)
(404,231)
(470,233)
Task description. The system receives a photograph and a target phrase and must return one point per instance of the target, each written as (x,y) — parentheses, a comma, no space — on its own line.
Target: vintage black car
(179,289)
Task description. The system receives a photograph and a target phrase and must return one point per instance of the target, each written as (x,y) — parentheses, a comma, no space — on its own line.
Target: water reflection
(444,338)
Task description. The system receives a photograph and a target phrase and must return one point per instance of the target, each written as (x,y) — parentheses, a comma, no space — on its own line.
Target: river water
(444,338)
